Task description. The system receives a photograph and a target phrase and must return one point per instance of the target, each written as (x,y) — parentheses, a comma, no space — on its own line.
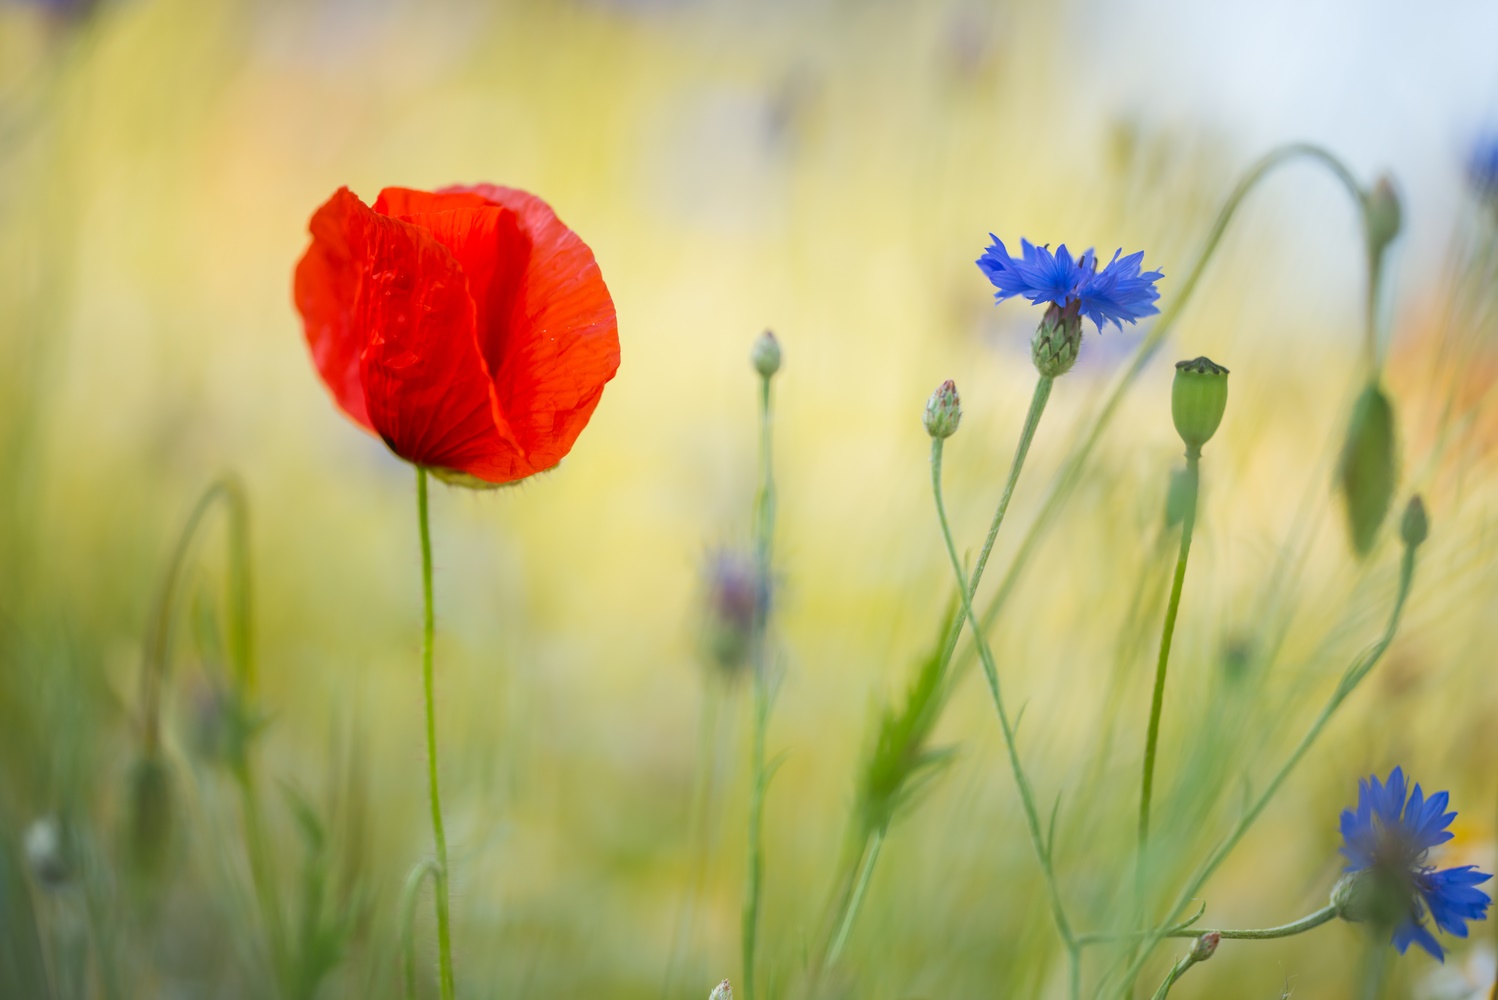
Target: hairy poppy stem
(1157,704)
(439,837)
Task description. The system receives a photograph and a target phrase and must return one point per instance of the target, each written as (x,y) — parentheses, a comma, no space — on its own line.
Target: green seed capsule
(1198,399)
(1368,466)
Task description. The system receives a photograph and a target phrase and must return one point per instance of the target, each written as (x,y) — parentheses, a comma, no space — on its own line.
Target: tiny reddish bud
(943,411)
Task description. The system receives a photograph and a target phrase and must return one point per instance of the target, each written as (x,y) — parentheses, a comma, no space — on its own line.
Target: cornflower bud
(1414,528)
(765,356)
(1382,213)
(1058,339)
(47,853)
(1206,946)
(1198,399)
(943,411)
(722,991)
(735,598)
(149,817)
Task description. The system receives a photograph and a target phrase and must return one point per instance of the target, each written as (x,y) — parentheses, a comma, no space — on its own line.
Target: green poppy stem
(439,836)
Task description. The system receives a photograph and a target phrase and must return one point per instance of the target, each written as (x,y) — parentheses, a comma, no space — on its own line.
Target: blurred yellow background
(830,171)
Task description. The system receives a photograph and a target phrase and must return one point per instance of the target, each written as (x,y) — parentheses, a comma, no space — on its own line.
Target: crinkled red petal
(558,343)
(326,290)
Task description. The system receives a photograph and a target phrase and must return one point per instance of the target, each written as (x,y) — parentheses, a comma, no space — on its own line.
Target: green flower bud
(765,355)
(1382,214)
(49,853)
(1414,528)
(943,411)
(723,991)
(1057,340)
(1367,469)
(1206,946)
(149,818)
(1198,399)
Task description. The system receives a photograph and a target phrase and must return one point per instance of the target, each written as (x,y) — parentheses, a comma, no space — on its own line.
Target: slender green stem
(1176,972)
(262,875)
(409,896)
(1309,922)
(1351,678)
(1071,470)
(764,529)
(863,860)
(855,903)
(990,671)
(439,836)
(1152,740)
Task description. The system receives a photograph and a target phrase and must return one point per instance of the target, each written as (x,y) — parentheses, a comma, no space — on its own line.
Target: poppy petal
(559,344)
(423,385)
(326,290)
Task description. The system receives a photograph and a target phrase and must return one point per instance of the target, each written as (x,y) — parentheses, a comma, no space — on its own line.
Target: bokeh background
(828,170)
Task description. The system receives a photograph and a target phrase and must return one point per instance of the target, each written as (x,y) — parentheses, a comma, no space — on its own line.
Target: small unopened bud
(149,817)
(1367,469)
(1206,946)
(722,991)
(1383,214)
(765,355)
(47,853)
(1414,528)
(735,598)
(1057,340)
(943,411)
(1198,399)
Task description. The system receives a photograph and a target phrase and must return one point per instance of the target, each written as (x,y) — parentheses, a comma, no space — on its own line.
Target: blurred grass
(827,171)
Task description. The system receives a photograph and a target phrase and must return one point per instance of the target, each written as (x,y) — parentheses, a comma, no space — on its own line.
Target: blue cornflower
(1117,294)
(1386,842)
(1482,166)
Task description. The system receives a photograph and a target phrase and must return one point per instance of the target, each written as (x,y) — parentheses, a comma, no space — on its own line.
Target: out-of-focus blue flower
(1390,835)
(1482,166)
(1117,294)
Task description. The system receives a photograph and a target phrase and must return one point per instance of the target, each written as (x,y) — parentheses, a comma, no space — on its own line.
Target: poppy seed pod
(1368,468)
(1198,399)
(943,411)
(765,356)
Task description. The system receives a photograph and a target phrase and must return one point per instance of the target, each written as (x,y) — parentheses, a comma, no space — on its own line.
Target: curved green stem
(1351,678)
(1070,474)
(1176,972)
(1152,740)
(990,671)
(862,860)
(764,528)
(409,893)
(1309,922)
(439,836)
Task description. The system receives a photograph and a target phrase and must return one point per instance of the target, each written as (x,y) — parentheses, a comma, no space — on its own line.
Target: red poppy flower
(468,328)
